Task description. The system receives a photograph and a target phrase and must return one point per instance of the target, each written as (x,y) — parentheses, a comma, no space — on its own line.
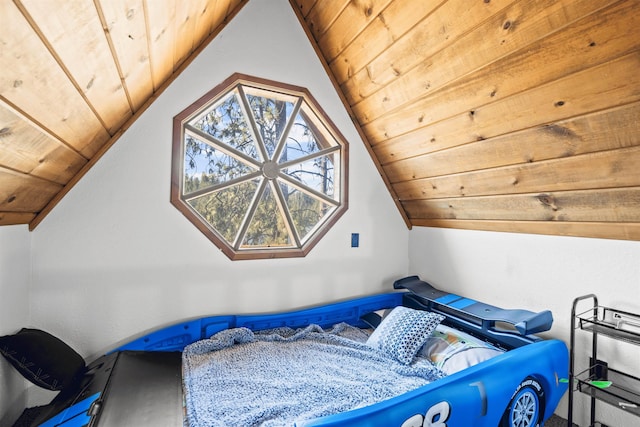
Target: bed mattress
(128,388)
(145,389)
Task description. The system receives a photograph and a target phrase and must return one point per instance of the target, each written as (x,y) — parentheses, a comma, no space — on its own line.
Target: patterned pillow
(403,332)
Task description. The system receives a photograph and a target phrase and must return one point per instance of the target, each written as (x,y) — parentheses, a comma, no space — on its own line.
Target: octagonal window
(259,168)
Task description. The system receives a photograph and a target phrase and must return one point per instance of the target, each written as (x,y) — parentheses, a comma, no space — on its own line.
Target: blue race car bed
(422,357)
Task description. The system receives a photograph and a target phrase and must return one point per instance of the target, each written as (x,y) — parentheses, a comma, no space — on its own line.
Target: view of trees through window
(261,167)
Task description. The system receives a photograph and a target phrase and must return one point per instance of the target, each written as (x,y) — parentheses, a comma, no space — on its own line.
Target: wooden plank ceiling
(504,115)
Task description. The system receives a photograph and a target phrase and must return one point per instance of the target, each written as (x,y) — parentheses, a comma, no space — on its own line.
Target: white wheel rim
(524,410)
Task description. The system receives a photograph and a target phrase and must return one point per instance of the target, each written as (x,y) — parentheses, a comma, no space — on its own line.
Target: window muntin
(262,171)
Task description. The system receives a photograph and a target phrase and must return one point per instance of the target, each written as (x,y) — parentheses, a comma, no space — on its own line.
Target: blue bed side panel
(74,416)
(475,397)
(176,337)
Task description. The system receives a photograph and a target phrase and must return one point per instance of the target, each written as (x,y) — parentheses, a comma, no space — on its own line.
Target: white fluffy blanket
(278,377)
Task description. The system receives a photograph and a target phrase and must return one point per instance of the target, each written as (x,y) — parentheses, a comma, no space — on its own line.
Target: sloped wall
(115,258)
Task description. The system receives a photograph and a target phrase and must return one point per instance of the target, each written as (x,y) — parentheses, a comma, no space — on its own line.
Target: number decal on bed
(436,416)
(415,421)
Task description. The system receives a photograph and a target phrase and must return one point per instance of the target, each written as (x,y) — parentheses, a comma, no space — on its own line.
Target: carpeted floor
(556,421)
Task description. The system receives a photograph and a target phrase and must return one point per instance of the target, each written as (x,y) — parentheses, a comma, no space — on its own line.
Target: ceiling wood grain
(503,115)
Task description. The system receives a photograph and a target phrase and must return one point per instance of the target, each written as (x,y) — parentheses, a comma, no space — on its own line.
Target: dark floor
(556,421)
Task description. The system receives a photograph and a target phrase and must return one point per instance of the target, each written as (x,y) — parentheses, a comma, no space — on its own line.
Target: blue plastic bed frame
(493,323)
(480,319)
(520,387)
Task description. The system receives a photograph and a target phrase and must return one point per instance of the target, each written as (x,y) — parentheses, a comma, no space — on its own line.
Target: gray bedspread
(281,376)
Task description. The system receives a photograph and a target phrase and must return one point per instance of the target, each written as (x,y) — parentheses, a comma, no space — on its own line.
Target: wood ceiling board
(24,193)
(602,130)
(347,107)
(320,18)
(304,6)
(85,54)
(26,149)
(586,205)
(380,34)
(186,20)
(570,96)
(502,97)
(160,17)
(599,131)
(15,218)
(126,31)
(438,31)
(347,26)
(40,87)
(482,66)
(54,201)
(205,17)
(216,14)
(233,7)
(605,169)
(601,230)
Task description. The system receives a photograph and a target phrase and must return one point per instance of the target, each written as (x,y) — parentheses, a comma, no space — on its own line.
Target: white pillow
(452,350)
(401,333)
(467,358)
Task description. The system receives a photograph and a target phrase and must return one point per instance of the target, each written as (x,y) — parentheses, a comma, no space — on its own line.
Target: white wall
(115,258)
(14,313)
(537,273)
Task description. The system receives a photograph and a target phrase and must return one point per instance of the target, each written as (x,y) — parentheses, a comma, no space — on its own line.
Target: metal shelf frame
(624,390)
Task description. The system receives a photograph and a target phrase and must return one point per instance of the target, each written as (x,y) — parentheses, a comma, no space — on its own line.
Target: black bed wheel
(526,406)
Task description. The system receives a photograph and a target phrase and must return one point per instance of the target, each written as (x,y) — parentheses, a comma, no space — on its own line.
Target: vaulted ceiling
(504,115)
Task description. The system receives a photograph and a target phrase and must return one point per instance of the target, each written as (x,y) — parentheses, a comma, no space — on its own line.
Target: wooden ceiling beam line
(353,118)
(553,206)
(603,170)
(351,22)
(114,55)
(76,178)
(36,124)
(471,97)
(15,218)
(409,82)
(572,96)
(632,151)
(306,6)
(19,173)
(560,129)
(60,62)
(437,33)
(320,19)
(593,229)
(588,131)
(393,23)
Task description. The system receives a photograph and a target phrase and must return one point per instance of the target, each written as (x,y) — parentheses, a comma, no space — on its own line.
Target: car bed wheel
(526,406)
